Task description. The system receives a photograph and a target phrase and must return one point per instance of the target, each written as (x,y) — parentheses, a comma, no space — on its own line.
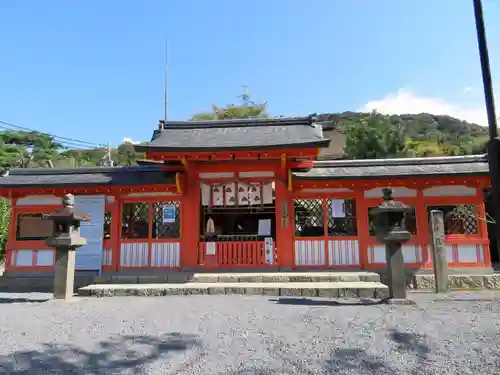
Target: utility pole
(110,162)
(166,80)
(106,160)
(494,142)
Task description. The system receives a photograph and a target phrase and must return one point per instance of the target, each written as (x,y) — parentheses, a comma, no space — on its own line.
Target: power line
(65,139)
(72,145)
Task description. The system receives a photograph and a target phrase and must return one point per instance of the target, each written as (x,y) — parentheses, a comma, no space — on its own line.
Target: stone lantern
(391,230)
(65,239)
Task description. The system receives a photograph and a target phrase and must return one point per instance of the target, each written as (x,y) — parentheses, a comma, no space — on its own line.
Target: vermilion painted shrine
(246,194)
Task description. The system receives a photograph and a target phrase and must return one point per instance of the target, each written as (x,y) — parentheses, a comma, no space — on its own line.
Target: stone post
(64,277)
(65,239)
(390,230)
(439,252)
(396,274)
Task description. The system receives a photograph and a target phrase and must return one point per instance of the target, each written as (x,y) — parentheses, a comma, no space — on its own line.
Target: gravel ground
(236,335)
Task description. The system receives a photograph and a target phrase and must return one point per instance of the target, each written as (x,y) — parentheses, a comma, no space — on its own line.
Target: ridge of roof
(237,123)
(400,161)
(85,170)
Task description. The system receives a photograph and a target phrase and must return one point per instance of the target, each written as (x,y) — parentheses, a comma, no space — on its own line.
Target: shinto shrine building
(246,194)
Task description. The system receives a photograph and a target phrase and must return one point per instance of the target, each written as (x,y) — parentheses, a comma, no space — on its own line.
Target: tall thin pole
(485,69)
(494,142)
(166,79)
(110,162)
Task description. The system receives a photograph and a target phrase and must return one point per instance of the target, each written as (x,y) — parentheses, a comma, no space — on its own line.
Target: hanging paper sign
(254,194)
(242,195)
(267,193)
(230,194)
(218,195)
(168,214)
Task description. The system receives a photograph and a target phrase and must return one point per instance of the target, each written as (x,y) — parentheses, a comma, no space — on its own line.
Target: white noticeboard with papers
(210,248)
(169,214)
(338,208)
(269,250)
(264,227)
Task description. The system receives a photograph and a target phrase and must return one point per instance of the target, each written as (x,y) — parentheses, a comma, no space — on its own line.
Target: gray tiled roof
(403,168)
(95,176)
(235,134)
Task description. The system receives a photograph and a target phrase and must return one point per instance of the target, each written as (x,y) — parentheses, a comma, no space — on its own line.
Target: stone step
(266,277)
(458,282)
(365,289)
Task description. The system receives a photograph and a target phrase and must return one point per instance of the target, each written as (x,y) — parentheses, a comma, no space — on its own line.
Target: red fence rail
(237,254)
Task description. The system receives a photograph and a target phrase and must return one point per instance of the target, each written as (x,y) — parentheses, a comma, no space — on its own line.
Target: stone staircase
(311,284)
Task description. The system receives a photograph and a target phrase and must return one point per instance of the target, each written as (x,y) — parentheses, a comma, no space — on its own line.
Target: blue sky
(93,70)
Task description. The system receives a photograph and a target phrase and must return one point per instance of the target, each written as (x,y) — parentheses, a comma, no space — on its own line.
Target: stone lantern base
(64,277)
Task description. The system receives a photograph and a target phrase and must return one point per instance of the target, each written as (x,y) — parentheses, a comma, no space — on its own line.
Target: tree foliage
(246,108)
(4,225)
(27,149)
(373,135)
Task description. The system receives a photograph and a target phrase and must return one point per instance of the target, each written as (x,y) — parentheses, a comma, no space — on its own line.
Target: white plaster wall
(327,190)
(397,192)
(450,191)
(251,174)
(39,200)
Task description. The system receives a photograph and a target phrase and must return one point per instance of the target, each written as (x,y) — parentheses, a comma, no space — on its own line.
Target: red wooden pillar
(363,226)
(423,233)
(483,227)
(284,224)
(116,220)
(190,218)
(11,234)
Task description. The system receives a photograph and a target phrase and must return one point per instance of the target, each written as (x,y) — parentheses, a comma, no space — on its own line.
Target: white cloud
(129,140)
(405,102)
(468,89)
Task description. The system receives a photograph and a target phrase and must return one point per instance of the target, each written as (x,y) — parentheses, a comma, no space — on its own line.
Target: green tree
(246,108)
(27,149)
(4,225)
(374,136)
(126,155)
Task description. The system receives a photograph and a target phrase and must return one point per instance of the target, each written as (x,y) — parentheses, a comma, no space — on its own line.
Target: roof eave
(150,148)
(79,185)
(386,176)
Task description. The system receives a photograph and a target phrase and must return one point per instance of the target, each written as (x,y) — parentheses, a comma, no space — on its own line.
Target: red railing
(238,254)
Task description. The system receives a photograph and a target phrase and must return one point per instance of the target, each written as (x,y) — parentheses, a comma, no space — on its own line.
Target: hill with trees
(367,135)
(373,135)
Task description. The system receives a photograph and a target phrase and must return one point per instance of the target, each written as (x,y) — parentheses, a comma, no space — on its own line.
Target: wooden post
(439,252)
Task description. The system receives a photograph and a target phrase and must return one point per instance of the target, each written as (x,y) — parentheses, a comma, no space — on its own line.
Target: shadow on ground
(348,359)
(321,302)
(354,361)
(120,354)
(22,300)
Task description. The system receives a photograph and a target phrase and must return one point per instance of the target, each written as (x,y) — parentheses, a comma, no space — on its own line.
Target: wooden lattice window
(458,219)
(32,227)
(166,227)
(309,218)
(410,221)
(341,214)
(135,220)
(107,225)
